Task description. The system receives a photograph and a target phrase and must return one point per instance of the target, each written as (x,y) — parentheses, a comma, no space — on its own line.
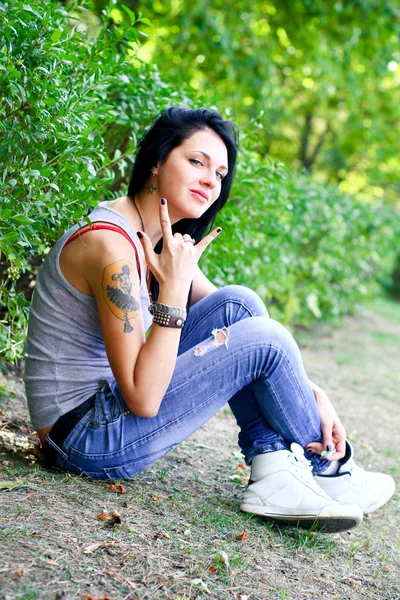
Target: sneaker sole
(323,524)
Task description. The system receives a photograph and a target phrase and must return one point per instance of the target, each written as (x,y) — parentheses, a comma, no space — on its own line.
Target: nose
(209,179)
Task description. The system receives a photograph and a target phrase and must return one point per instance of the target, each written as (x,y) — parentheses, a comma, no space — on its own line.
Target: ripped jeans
(230,351)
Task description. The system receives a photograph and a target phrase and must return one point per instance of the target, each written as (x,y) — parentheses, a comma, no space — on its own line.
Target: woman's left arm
(202,286)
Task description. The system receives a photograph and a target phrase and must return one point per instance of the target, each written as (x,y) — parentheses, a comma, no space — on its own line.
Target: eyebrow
(208,157)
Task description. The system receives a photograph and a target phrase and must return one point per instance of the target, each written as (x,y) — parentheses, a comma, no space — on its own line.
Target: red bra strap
(95,226)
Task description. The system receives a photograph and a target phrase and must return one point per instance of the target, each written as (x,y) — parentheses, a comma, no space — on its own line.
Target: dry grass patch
(182,535)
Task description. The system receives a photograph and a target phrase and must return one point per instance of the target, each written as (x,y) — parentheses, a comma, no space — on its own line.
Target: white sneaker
(351,483)
(282,488)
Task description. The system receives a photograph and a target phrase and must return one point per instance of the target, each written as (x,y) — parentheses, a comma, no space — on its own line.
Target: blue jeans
(230,351)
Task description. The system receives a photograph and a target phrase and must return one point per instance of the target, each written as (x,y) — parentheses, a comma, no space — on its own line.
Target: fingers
(188,239)
(337,451)
(315,447)
(327,436)
(321,449)
(165,221)
(147,248)
(202,245)
(340,450)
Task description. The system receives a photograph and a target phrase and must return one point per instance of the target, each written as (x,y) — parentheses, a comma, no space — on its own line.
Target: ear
(154,171)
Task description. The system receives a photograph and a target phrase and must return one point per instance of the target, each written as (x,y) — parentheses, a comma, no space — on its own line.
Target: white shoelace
(303,466)
(360,479)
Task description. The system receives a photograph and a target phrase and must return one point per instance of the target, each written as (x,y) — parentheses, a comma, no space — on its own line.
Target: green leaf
(11,485)
(129,12)
(29,8)
(8,238)
(23,219)
(56,35)
(145,20)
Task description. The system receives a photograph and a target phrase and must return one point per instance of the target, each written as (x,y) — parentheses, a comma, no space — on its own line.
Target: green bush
(310,252)
(70,110)
(72,104)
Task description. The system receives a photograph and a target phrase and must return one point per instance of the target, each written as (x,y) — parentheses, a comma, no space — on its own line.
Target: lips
(200,193)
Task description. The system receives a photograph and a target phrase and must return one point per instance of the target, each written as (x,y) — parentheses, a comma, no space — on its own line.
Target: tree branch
(308,157)
(305,138)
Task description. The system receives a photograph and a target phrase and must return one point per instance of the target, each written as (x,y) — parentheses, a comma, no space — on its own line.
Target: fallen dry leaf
(212,569)
(18,573)
(302,556)
(50,562)
(241,466)
(242,537)
(96,597)
(117,488)
(94,547)
(111,518)
(163,534)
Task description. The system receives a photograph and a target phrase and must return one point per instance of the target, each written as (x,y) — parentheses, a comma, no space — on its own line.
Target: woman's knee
(248,298)
(272,332)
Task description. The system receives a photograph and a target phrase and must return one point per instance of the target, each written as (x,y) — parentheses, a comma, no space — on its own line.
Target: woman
(109,396)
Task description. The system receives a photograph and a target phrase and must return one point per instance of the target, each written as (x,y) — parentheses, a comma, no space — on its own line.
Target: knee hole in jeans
(220,337)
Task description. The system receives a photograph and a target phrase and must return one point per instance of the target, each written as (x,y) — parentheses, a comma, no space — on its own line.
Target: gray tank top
(66,360)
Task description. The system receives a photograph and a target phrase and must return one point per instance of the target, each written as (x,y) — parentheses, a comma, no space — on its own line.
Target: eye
(195,161)
(220,175)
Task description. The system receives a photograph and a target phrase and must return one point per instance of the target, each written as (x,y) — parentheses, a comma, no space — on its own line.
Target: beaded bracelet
(158,307)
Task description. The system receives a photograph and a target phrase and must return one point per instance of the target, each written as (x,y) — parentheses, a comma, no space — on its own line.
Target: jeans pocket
(108,408)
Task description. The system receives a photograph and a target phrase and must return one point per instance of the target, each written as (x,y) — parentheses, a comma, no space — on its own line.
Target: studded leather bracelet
(168,316)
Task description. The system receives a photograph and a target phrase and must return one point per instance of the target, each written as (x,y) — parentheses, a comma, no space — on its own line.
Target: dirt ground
(181,534)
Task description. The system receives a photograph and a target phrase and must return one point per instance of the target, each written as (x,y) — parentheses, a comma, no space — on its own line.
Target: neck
(148,206)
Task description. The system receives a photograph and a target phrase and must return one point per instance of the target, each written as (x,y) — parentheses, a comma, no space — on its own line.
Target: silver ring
(191,241)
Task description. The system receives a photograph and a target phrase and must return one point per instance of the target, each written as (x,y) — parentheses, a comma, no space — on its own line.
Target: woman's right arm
(142,368)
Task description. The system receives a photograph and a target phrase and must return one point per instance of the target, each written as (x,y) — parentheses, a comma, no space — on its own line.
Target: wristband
(168,320)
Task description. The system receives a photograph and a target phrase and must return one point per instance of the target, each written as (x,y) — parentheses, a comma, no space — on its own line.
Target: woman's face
(190,178)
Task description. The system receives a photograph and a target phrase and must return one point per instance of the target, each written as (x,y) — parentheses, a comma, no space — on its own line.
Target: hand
(333,432)
(176,265)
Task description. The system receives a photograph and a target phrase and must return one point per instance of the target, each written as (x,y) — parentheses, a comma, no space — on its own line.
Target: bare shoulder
(108,255)
(88,253)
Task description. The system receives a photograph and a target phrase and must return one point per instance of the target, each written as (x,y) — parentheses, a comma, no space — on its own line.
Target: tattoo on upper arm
(120,290)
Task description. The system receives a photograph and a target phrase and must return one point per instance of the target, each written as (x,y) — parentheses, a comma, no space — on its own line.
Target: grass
(182,535)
